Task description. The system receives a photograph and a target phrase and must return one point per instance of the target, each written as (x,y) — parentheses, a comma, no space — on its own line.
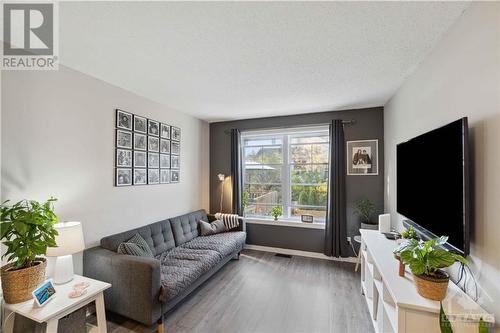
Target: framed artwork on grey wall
(123,120)
(123,177)
(362,158)
(146,151)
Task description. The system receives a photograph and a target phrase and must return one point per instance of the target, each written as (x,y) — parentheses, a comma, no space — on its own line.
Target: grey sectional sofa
(144,288)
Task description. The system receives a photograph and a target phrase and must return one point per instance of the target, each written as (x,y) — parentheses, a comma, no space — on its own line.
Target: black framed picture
(165,161)
(123,139)
(174,176)
(174,162)
(140,124)
(176,133)
(153,144)
(153,160)
(124,158)
(140,177)
(153,127)
(165,131)
(164,146)
(153,176)
(123,177)
(123,120)
(140,159)
(140,142)
(175,148)
(164,176)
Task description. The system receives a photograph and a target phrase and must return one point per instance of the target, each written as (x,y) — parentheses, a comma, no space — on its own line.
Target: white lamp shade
(69,239)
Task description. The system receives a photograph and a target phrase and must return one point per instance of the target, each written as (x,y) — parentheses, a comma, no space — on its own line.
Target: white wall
(58,139)
(461,77)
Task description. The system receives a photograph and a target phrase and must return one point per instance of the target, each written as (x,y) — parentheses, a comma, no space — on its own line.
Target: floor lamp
(222,177)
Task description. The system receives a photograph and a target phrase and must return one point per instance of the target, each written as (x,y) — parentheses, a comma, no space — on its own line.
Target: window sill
(284,223)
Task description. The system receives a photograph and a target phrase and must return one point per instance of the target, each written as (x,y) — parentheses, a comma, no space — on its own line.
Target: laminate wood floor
(262,292)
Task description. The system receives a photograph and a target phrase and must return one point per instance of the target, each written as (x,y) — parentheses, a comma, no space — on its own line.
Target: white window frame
(286,165)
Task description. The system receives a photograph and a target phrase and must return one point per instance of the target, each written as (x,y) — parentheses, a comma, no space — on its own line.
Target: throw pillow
(213,228)
(135,246)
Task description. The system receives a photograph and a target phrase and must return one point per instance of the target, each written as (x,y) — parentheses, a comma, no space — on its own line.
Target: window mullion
(287,189)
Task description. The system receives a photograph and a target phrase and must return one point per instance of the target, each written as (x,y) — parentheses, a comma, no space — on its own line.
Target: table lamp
(69,241)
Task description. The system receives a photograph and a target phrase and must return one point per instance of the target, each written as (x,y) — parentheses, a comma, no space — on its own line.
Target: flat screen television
(433,184)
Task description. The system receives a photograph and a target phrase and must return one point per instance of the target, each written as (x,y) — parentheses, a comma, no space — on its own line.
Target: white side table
(357,239)
(62,305)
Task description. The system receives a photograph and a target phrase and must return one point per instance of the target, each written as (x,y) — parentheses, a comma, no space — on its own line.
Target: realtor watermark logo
(30,36)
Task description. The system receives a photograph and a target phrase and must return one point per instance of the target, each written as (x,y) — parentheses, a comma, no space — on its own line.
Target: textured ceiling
(234,60)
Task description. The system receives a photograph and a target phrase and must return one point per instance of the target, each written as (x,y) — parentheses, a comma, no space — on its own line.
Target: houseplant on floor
(425,260)
(276,212)
(26,229)
(364,209)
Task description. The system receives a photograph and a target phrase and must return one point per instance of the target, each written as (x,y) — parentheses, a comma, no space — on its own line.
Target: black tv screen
(432,184)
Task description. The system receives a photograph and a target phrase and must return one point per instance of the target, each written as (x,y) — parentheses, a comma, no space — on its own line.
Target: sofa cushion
(213,228)
(185,227)
(180,267)
(158,236)
(224,243)
(135,246)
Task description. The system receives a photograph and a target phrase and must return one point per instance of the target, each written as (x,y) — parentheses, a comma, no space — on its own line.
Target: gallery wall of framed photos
(147,152)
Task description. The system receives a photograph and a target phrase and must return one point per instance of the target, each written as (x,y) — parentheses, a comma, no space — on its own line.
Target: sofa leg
(237,256)
(160,325)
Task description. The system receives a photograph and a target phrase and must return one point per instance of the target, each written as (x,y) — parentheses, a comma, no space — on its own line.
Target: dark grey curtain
(336,225)
(236,180)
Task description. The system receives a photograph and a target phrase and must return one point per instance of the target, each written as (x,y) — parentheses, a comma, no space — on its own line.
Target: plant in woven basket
(426,259)
(26,229)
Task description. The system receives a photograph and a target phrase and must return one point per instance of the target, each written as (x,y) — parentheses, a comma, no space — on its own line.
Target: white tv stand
(393,301)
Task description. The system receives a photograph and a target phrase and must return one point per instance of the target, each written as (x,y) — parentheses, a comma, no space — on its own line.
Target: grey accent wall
(369,124)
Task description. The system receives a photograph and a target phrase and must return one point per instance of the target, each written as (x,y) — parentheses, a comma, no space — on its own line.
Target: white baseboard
(299,253)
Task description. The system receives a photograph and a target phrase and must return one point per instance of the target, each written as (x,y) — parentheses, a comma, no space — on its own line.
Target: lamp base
(63,269)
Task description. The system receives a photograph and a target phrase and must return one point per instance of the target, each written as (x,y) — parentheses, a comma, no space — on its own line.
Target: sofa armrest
(136,283)
(241,226)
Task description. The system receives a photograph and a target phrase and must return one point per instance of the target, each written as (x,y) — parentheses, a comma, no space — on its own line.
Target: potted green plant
(26,229)
(276,212)
(426,259)
(409,233)
(364,209)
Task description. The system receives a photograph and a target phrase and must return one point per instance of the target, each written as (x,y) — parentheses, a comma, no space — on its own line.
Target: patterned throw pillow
(213,228)
(135,246)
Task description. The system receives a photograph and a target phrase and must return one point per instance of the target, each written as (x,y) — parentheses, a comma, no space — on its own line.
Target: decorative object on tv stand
(147,151)
(307,218)
(425,260)
(69,241)
(222,178)
(27,230)
(403,244)
(276,212)
(362,157)
(384,223)
(364,209)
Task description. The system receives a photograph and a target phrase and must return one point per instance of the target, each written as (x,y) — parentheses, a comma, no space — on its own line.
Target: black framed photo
(140,142)
(174,176)
(140,177)
(153,176)
(165,131)
(175,148)
(307,218)
(124,158)
(123,177)
(153,127)
(123,139)
(153,160)
(140,159)
(362,158)
(176,133)
(140,124)
(164,176)
(153,144)
(123,120)
(164,146)
(174,162)
(165,161)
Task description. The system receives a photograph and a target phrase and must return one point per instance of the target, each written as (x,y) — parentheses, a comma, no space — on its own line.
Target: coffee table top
(61,302)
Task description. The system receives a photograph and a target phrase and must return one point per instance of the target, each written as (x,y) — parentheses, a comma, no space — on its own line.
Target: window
(287,168)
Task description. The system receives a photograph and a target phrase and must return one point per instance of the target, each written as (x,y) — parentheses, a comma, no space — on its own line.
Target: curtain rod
(344,122)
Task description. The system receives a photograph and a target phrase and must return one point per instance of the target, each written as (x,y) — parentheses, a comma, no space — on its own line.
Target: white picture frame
(362,158)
